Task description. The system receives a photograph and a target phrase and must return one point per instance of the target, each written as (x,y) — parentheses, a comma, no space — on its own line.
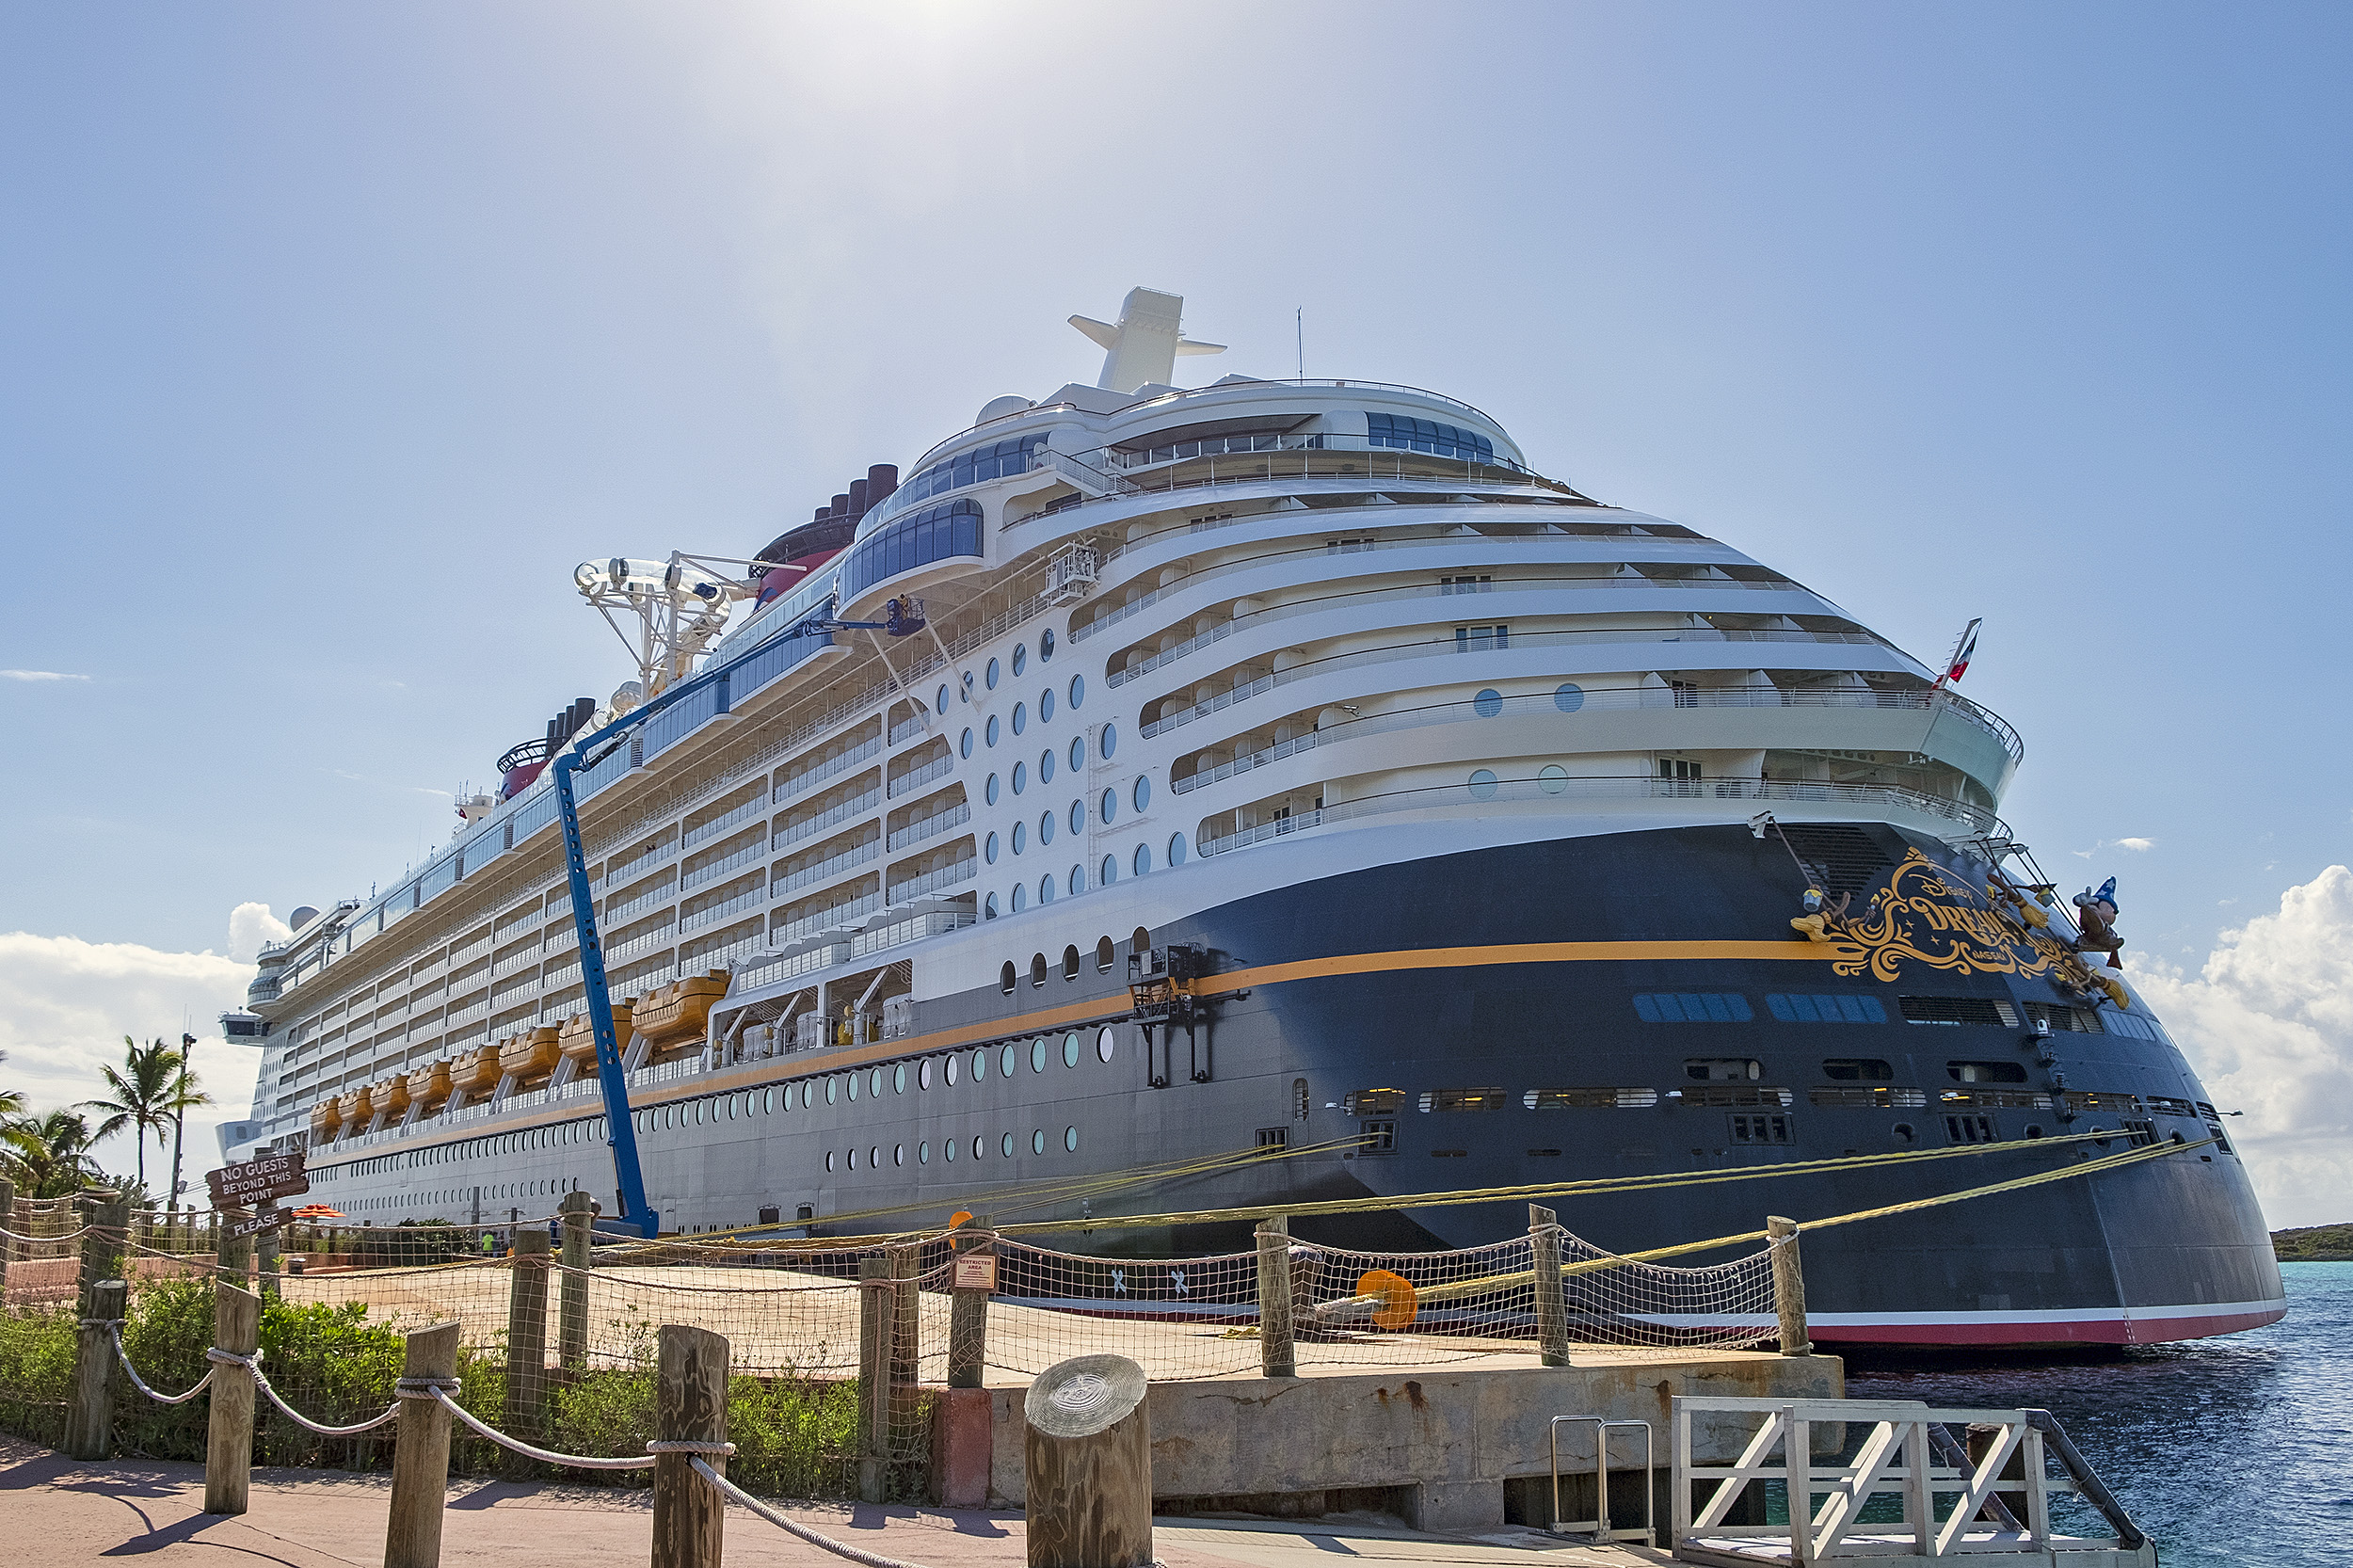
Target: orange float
(1399,1307)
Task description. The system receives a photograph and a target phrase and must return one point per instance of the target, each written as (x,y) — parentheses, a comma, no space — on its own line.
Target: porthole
(1037,1054)
(1020,718)
(1142,859)
(963,746)
(1037,1142)
(924,1153)
(874,1084)
(988,849)
(1108,872)
(898,1154)
(1004,1147)
(992,674)
(1020,897)
(1078,816)
(1020,777)
(829,1159)
(1021,658)
(988,791)
(1070,1042)
(1105,1043)
(853,1087)
(1553,779)
(1046,766)
(1142,793)
(1046,889)
(994,731)
(1078,880)
(979,1057)
(979,1145)
(1107,807)
(942,705)
(1070,965)
(948,1147)
(924,1074)
(873,1157)
(1108,743)
(1020,839)
(1078,690)
(1046,643)
(1046,825)
(731,1103)
(1482,785)
(1487,704)
(1046,705)
(899,1079)
(1902,1132)
(1176,849)
(989,908)
(1070,1140)
(950,1069)
(1568,697)
(1006,1060)
(768,1102)
(854,1159)
(1077,754)
(964,685)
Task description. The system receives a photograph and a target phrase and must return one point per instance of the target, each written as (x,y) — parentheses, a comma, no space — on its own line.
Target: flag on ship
(1957,665)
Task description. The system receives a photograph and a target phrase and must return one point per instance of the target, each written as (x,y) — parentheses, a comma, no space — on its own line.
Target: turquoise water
(2235,1452)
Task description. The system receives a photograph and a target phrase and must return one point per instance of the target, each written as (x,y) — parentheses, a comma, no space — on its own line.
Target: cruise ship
(1270,791)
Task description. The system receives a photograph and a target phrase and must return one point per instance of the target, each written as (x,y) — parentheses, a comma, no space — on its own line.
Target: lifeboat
(676,1015)
(391,1098)
(476,1072)
(577,1038)
(360,1108)
(530,1057)
(325,1117)
(429,1086)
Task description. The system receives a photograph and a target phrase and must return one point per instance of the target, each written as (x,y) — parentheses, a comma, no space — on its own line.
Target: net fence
(838,1349)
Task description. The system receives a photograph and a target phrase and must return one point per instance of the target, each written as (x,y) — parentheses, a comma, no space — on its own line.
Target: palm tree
(143,1089)
(51,1152)
(11,1100)
(185,1095)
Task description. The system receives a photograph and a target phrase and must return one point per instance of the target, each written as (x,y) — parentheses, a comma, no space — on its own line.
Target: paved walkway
(61,1513)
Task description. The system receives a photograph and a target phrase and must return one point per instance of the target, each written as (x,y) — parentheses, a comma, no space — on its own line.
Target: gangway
(1999,1492)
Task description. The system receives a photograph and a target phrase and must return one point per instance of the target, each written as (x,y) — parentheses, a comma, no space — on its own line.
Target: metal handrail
(1600,1522)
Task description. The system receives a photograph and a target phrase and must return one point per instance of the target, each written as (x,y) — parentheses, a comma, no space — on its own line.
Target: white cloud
(65,1005)
(2136,843)
(2268,1024)
(38,675)
(250,926)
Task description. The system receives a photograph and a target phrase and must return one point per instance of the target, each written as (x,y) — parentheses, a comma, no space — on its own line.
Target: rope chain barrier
(791,1527)
(545,1456)
(114,1332)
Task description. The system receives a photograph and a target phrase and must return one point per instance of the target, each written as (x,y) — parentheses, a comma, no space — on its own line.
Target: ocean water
(2235,1452)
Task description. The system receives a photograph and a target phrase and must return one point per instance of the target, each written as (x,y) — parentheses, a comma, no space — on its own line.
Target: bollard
(266,1248)
(233,1255)
(89,1420)
(878,1295)
(1086,1456)
(1276,1357)
(412,1531)
(526,1340)
(1552,1312)
(572,1287)
(690,1406)
(229,1440)
(1788,1286)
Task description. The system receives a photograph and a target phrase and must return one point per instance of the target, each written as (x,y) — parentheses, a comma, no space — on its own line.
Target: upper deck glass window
(1421,435)
(934,533)
(1018,455)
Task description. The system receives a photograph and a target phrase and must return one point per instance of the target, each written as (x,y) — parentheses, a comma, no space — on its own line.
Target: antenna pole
(1299,324)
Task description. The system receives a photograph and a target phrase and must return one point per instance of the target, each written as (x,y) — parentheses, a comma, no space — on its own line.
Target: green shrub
(37,1354)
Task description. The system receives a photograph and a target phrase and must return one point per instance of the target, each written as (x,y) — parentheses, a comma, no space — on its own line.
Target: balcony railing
(751,897)
(832,767)
(714,871)
(809,827)
(925,828)
(939,767)
(832,865)
(734,816)
(932,882)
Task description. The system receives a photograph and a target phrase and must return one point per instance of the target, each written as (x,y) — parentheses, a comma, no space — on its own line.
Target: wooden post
(1276,1357)
(1788,1286)
(690,1406)
(7,1221)
(1552,1310)
(968,1334)
(526,1339)
(876,1297)
(412,1534)
(228,1443)
(1087,1458)
(233,1255)
(266,1249)
(571,1290)
(906,1323)
(89,1420)
(106,1215)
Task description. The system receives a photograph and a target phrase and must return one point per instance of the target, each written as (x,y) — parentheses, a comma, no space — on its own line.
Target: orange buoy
(961,1218)
(1398,1306)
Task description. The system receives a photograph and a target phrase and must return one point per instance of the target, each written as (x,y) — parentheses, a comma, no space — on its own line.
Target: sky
(332,338)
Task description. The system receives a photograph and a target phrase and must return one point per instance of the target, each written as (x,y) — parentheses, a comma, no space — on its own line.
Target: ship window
(1020,777)
(995,729)
(1077,754)
(1857,1069)
(1020,716)
(1407,434)
(1070,1140)
(950,1069)
(829,1159)
(1142,793)
(1176,849)
(1568,697)
(1046,826)
(1020,897)
(1764,1128)
(1104,954)
(1949,1010)
(1078,880)
(1107,744)
(948,1147)
(1462,1100)
(1105,1043)
(999,461)
(1004,1147)
(924,1074)
(978,1142)
(1691,1007)
(941,701)
(990,790)
(1969,1130)
(2071,1020)
(1590,1099)
(1553,778)
(989,676)
(963,746)
(1046,766)
(1985,1072)
(988,849)
(1020,834)
(989,907)
(1005,982)
(1722,1070)
(1108,808)
(1482,784)
(899,1079)
(1481,639)
(1488,703)
(1070,971)
(1466,584)
(1376,1137)
(1143,858)
(934,533)
(1273,1137)
(1020,661)
(1374,1102)
(924,1153)
(1078,691)
(980,1056)
(1046,643)
(1046,705)
(1841,1007)
(1108,872)
(1680,769)
(852,1083)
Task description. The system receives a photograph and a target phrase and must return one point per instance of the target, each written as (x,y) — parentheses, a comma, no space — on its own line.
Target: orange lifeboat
(676,1015)
(476,1072)
(429,1085)
(391,1098)
(530,1057)
(577,1038)
(325,1117)
(360,1108)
